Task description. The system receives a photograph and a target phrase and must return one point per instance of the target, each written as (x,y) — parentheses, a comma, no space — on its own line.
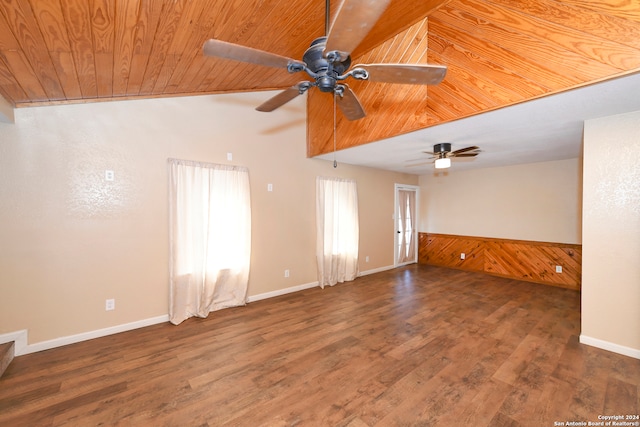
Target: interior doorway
(405,224)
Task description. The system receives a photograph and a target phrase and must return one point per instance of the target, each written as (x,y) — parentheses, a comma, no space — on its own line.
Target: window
(210,237)
(337,230)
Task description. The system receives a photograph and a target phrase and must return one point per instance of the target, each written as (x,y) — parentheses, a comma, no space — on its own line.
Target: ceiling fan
(442,154)
(327,60)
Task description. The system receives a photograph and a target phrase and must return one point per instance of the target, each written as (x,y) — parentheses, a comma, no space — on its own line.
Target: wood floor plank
(552,403)
(516,407)
(417,345)
(620,398)
(481,407)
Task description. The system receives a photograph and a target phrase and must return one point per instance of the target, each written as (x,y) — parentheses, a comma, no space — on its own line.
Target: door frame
(416,189)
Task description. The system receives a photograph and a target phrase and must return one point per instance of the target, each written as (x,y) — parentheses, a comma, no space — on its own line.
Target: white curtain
(406,226)
(337,230)
(210,238)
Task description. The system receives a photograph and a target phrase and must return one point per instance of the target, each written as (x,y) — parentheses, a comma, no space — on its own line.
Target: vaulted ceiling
(498,53)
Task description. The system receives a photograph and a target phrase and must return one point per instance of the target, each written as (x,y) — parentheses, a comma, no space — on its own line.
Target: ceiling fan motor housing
(444,147)
(327,72)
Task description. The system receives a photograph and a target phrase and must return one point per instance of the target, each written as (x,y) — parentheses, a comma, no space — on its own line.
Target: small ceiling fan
(327,60)
(442,155)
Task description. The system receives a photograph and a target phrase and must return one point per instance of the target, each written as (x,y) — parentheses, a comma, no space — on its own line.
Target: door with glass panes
(405,220)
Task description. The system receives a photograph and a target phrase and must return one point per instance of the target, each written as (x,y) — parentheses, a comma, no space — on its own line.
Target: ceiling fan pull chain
(335,163)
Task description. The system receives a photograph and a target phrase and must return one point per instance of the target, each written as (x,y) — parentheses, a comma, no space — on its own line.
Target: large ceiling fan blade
(464,155)
(350,105)
(221,49)
(283,97)
(464,150)
(354,20)
(417,74)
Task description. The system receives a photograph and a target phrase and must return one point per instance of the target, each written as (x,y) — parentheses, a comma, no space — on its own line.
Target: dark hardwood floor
(414,346)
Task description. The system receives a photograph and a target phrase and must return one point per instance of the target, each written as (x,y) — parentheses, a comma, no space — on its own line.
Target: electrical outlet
(462,255)
(286,273)
(110,304)
(366,259)
(229,156)
(269,187)
(109,175)
(558,269)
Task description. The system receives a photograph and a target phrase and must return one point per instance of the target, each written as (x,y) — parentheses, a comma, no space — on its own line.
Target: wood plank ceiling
(498,53)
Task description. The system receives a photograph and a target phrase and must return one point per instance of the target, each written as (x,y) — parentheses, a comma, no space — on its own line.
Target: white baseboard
(304,286)
(609,346)
(280,292)
(376,270)
(20,337)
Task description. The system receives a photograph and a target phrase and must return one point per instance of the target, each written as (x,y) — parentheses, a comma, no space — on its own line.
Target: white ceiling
(544,129)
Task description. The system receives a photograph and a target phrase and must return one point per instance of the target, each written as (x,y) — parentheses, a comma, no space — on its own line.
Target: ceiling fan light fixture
(443,163)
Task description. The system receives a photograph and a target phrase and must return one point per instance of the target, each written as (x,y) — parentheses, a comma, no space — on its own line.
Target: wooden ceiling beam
(499,52)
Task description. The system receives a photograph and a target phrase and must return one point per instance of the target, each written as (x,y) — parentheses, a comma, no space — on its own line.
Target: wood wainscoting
(517,259)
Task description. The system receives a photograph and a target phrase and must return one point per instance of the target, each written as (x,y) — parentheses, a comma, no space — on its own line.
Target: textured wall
(69,239)
(611,231)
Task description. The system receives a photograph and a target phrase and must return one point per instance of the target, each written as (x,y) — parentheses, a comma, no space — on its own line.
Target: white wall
(537,201)
(611,234)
